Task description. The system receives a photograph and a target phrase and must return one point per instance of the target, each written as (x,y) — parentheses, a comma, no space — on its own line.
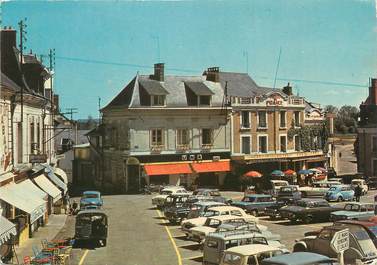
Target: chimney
(373,91)
(8,58)
(213,74)
(288,90)
(159,72)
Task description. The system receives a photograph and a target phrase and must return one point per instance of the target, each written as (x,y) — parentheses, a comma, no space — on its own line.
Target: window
(158,100)
(32,140)
(183,137)
(262,119)
(374,144)
(374,168)
(297,143)
(156,137)
(205,100)
(262,144)
(245,145)
(231,258)
(283,121)
(206,136)
(245,119)
(297,119)
(283,143)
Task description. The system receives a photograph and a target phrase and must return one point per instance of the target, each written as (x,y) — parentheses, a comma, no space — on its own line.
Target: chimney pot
(159,72)
(373,91)
(288,90)
(213,74)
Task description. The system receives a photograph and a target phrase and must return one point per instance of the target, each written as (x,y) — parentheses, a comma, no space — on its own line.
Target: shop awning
(60,173)
(167,169)
(218,166)
(7,228)
(50,174)
(48,187)
(23,198)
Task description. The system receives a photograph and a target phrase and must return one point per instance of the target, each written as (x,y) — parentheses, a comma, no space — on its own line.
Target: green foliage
(312,137)
(346,118)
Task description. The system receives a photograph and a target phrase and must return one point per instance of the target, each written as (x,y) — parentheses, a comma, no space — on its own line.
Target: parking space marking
(83,257)
(172,240)
(193,257)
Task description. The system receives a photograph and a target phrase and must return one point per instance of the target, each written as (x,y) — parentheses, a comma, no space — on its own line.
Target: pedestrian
(358,191)
(66,203)
(74,207)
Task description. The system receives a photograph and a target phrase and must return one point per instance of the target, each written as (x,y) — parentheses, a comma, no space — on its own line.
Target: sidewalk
(49,231)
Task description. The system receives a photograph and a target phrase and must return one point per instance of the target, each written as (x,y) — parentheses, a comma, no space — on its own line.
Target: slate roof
(199,88)
(7,82)
(153,87)
(239,84)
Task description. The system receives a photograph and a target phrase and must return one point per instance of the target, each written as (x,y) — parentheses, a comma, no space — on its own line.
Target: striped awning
(51,175)
(7,228)
(60,173)
(48,187)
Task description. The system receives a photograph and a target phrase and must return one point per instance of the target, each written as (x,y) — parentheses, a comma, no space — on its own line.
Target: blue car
(340,193)
(255,204)
(91,199)
(300,258)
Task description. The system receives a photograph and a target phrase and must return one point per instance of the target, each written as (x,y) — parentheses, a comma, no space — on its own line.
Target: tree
(331,109)
(346,118)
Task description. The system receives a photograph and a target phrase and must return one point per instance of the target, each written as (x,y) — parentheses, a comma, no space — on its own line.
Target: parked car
(308,210)
(173,207)
(289,192)
(247,226)
(249,254)
(317,189)
(372,183)
(362,183)
(276,186)
(91,225)
(331,173)
(361,245)
(354,211)
(214,194)
(340,193)
(255,204)
(159,200)
(91,199)
(274,211)
(300,258)
(216,243)
(186,225)
(369,226)
(199,208)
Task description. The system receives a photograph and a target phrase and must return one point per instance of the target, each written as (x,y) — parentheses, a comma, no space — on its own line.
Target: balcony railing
(157,148)
(183,147)
(207,146)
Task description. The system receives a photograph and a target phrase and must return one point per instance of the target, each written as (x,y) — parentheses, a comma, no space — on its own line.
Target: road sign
(340,241)
(40,158)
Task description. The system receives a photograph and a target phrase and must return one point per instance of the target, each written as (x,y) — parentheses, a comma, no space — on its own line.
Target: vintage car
(247,226)
(91,199)
(159,200)
(317,189)
(216,243)
(214,194)
(186,225)
(354,211)
(198,233)
(300,258)
(363,184)
(372,183)
(91,225)
(289,192)
(255,204)
(249,254)
(369,226)
(199,208)
(276,186)
(173,207)
(340,193)
(361,246)
(308,210)
(274,211)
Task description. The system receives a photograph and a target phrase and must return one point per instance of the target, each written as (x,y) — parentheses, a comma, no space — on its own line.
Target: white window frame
(241,145)
(259,127)
(262,135)
(162,137)
(176,137)
(158,105)
(285,116)
(241,119)
(299,119)
(294,143)
(371,138)
(286,143)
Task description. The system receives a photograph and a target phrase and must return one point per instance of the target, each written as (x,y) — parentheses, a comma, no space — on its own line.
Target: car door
(321,244)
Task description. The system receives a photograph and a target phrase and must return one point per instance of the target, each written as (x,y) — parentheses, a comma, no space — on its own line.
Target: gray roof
(239,84)
(199,88)
(153,87)
(7,82)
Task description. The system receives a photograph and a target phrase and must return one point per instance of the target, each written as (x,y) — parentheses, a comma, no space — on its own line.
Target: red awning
(218,166)
(167,169)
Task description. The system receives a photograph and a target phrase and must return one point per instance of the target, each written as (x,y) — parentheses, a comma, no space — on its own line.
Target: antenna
(99,109)
(22,25)
(277,68)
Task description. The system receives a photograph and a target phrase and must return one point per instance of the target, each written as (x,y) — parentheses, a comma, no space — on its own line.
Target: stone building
(366,144)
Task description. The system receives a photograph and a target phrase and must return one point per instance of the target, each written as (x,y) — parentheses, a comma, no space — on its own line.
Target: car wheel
(308,219)
(340,199)
(254,212)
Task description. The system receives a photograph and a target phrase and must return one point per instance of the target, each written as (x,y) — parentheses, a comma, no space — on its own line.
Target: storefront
(166,173)
(55,196)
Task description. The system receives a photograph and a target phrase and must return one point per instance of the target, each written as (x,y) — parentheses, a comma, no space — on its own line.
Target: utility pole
(99,110)
(22,25)
(72,111)
(277,68)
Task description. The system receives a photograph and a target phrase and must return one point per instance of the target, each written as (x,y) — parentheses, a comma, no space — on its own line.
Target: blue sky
(101,45)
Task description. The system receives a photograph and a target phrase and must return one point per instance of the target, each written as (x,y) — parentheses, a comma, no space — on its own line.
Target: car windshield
(211,213)
(357,182)
(363,239)
(286,189)
(86,196)
(352,207)
(166,192)
(333,188)
(248,199)
(215,193)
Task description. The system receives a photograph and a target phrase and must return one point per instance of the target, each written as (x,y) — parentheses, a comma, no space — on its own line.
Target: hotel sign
(274,100)
(40,158)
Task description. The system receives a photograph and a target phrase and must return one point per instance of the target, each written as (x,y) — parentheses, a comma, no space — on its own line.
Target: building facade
(366,144)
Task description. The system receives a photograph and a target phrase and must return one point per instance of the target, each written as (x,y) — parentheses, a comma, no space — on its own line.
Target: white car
(200,232)
(160,199)
(186,225)
(362,183)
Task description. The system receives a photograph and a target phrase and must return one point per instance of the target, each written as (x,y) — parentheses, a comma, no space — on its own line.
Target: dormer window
(205,100)
(158,100)
(198,94)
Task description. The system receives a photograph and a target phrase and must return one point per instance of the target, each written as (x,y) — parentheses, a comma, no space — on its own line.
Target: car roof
(173,188)
(247,250)
(225,217)
(359,203)
(209,203)
(258,195)
(358,179)
(312,200)
(296,258)
(91,211)
(91,192)
(357,222)
(234,234)
(225,208)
